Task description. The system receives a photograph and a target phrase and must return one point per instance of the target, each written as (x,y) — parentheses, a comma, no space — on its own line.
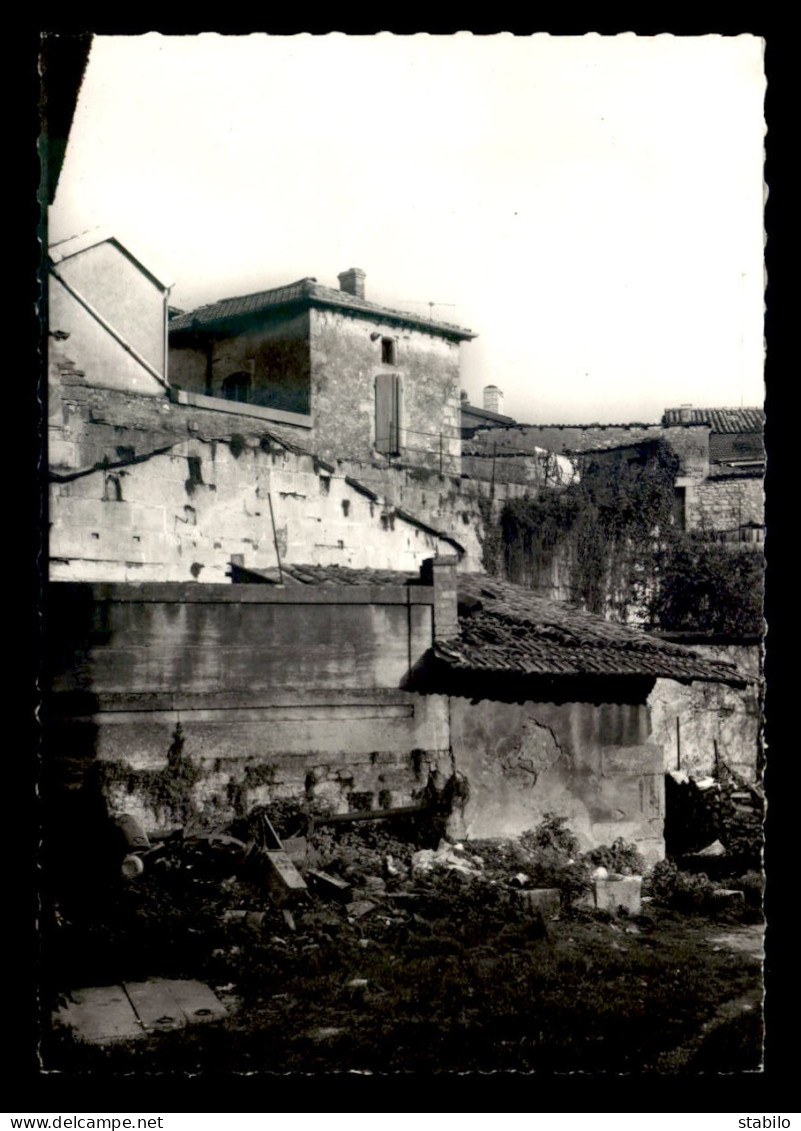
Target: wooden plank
(196,1000)
(100,1015)
(156,1006)
(332,887)
(372,814)
(282,878)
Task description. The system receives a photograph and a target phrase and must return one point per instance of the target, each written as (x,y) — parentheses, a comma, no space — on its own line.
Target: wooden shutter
(387,413)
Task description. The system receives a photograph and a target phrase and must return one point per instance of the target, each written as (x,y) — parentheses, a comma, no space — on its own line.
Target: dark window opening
(237,387)
(389,353)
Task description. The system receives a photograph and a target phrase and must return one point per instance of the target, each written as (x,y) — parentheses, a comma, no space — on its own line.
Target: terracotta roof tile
(718,419)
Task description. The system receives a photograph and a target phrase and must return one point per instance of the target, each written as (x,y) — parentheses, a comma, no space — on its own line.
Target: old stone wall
(710,716)
(146,489)
(191,704)
(539,468)
(724,503)
(600,766)
(689,442)
(346,358)
(181,515)
(467,509)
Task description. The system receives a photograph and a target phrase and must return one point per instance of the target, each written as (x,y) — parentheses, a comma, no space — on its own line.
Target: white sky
(592,206)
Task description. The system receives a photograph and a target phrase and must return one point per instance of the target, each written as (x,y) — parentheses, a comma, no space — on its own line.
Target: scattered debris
(446,855)
(713,849)
(330,887)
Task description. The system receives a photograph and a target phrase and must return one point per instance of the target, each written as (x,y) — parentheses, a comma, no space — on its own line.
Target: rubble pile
(714,823)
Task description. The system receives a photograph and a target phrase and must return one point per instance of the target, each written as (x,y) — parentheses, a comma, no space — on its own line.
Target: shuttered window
(388,413)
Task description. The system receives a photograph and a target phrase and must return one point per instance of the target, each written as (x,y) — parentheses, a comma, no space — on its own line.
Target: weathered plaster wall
(104,361)
(344,364)
(597,765)
(274,352)
(724,503)
(276,695)
(710,713)
(131,301)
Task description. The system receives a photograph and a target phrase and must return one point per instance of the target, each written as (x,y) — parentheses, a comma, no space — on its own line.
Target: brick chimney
(352,281)
(441,573)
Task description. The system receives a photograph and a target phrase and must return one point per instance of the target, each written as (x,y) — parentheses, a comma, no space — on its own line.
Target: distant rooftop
(307,292)
(718,419)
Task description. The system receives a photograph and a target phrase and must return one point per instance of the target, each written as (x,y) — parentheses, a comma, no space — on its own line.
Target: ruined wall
(725,503)
(466,509)
(145,489)
(194,703)
(597,765)
(345,362)
(689,442)
(181,515)
(539,468)
(274,352)
(710,714)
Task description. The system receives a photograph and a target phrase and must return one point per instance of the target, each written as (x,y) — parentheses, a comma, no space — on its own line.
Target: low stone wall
(190,704)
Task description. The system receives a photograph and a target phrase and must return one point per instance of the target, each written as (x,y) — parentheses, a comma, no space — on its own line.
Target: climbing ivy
(708,586)
(601,531)
(611,541)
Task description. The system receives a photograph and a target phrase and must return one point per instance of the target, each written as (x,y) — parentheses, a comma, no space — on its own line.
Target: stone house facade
(368,381)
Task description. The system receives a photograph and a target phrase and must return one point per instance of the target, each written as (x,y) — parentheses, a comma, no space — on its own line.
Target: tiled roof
(505,628)
(736,447)
(474,417)
(306,291)
(327,575)
(718,419)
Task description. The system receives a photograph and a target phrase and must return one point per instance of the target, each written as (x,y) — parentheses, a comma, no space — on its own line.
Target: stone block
(612,894)
(548,901)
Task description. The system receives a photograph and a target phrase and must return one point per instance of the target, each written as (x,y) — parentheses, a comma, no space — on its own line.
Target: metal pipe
(678,743)
(275,540)
(110,329)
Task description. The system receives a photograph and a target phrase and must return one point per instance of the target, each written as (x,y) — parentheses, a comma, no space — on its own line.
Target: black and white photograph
(403,697)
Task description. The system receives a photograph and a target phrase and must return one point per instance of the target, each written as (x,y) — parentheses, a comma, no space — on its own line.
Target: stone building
(113,309)
(367,380)
(727,503)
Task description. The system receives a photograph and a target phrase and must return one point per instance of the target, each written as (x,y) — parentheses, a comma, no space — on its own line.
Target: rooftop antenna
(430,305)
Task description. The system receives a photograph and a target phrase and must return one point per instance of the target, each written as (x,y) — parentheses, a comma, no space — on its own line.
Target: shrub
(551,852)
(621,857)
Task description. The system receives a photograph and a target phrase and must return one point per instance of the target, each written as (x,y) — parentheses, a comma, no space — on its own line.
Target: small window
(389,351)
(237,387)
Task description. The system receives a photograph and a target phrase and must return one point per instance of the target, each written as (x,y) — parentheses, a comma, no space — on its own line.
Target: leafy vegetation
(610,539)
(708,586)
(604,529)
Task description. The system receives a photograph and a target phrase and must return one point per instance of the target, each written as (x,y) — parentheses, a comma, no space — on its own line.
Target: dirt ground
(415,970)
